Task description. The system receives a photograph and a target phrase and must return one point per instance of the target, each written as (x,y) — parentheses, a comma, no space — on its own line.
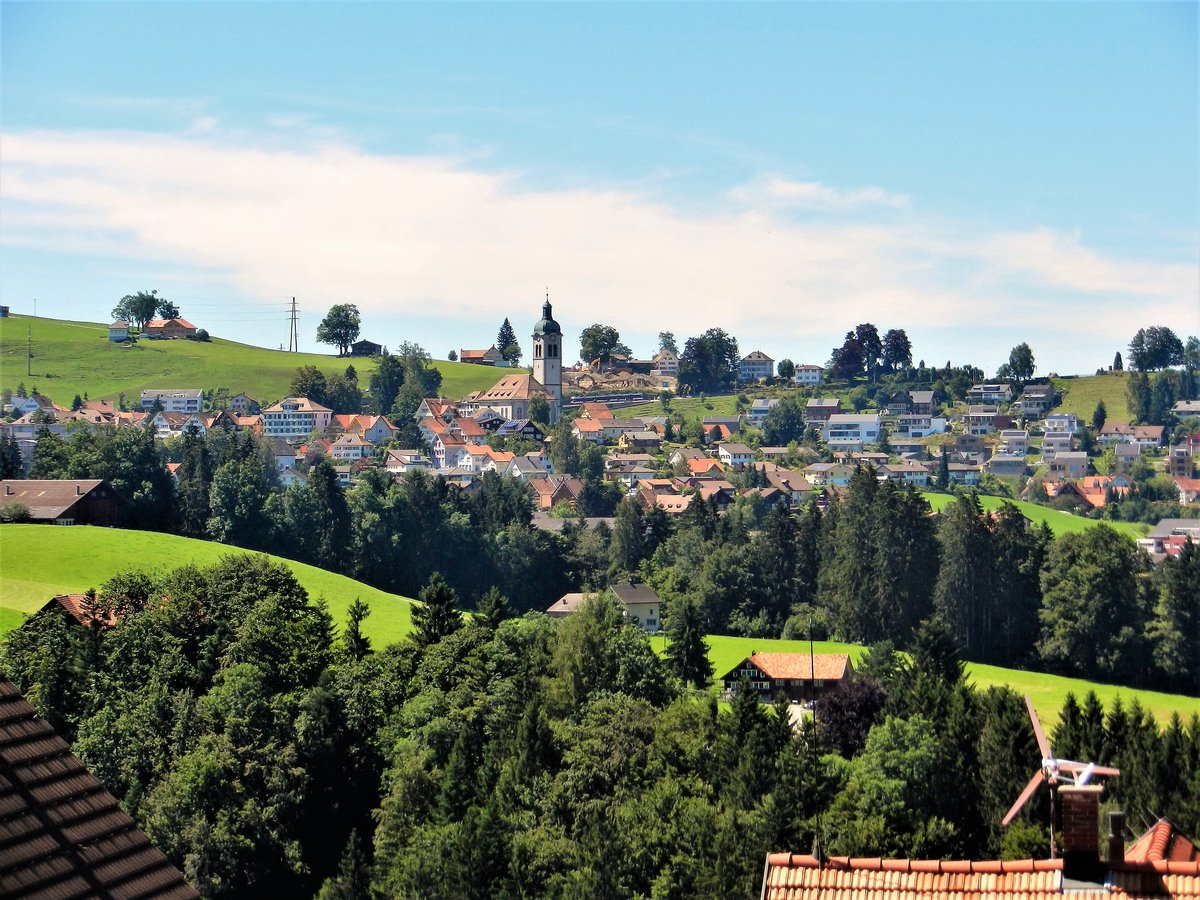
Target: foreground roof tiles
(792,877)
(61,833)
(1162,842)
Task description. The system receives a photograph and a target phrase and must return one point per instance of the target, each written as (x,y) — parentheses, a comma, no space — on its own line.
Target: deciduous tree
(138,308)
(340,327)
(601,342)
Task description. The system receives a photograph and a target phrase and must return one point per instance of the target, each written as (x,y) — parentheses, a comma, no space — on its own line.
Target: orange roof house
(170,327)
(798,676)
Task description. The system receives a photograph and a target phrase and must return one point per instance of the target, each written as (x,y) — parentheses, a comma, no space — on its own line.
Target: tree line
(270,753)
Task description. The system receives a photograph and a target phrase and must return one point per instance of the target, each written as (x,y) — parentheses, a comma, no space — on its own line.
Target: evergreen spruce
(687,649)
(435,616)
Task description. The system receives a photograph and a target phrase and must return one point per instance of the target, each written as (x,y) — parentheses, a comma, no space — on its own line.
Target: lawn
(39,561)
(693,409)
(1081,394)
(72,358)
(1047,691)
(1059,522)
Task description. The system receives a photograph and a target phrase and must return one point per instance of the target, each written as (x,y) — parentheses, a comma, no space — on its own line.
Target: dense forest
(269,753)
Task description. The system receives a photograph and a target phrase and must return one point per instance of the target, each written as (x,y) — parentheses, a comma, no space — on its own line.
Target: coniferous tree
(506,342)
(356,644)
(435,617)
(964,590)
(687,649)
(1099,416)
(1174,630)
(11,463)
(493,608)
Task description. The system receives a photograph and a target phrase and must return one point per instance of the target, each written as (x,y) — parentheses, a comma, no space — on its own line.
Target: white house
(186,401)
(852,431)
(1061,422)
(295,417)
(734,454)
(808,375)
(1014,442)
(755,366)
(118,331)
(1056,442)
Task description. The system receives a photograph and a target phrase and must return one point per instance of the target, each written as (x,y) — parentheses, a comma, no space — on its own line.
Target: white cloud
(812,195)
(784,264)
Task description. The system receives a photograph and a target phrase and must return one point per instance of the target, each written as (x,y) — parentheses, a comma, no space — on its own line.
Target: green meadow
(693,409)
(72,358)
(1059,522)
(1048,692)
(40,561)
(1081,394)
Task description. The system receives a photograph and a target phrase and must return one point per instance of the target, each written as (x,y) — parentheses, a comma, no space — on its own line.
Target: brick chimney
(1116,837)
(1081,831)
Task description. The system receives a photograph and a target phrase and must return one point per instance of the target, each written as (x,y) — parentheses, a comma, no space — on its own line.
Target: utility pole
(294,334)
(29,351)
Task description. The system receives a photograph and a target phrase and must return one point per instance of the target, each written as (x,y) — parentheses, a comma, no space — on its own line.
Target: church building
(510,396)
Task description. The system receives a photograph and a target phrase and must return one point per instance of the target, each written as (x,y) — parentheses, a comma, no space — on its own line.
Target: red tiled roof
(828,666)
(1162,842)
(791,877)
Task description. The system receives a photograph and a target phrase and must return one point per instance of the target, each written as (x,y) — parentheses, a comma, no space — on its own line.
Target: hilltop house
(756,366)
(169,328)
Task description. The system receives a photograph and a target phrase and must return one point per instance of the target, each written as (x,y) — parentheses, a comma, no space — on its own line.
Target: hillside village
(793,439)
(804,512)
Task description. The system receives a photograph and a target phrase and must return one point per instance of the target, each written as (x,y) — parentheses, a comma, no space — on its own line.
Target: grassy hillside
(1081,394)
(39,561)
(1047,691)
(1059,522)
(691,408)
(72,358)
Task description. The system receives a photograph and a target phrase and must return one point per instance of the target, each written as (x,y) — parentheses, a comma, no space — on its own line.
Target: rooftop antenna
(1052,772)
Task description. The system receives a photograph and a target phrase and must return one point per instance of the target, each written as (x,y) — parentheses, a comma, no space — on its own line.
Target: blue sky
(979,174)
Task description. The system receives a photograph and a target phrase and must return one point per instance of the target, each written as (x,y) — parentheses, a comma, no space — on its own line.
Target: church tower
(547,357)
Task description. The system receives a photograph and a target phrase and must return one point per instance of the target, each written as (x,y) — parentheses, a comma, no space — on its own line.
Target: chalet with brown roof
(797,676)
(64,833)
(79,609)
(1189,489)
(65,502)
